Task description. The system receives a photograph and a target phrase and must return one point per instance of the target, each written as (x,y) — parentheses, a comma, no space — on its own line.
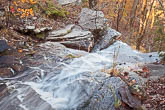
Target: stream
(60,78)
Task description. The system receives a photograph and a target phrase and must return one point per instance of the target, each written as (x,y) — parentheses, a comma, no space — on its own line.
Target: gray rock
(108,39)
(92,20)
(65,2)
(73,35)
(156,71)
(73,38)
(61,32)
(3,45)
(43,29)
(102,97)
(30,27)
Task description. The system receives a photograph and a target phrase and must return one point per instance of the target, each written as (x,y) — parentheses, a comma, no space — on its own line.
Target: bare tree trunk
(133,12)
(143,25)
(120,13)
(92,3)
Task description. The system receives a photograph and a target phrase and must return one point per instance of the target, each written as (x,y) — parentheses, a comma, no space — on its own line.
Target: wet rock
(18,68)
(49,54)
(20,101)
(8,60)
(3,46)
(3,89)
(108,39)
(92,20)
(6,72)
(65,2)
(61,82)
(10,66)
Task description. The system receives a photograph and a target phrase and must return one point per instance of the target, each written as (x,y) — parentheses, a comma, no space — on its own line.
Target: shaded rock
(108,39)
(80,45)
(65,2)
(3,45)
(156,71)
(42,33)
(91,20)
(39,33)
(128,99)
(2,12)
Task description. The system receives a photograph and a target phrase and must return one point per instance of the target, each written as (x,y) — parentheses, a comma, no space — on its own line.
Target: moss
(54,11)
(49,9)
(69,31)
(70,56)
(40,36)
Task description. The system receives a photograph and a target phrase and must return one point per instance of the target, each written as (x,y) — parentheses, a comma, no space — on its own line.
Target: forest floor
(155,90)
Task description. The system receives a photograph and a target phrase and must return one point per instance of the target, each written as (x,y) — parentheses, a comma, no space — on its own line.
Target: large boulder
(92,20)
(73,37)
(106,40)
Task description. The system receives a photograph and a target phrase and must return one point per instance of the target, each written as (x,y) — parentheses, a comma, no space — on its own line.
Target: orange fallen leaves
(20,50)
(22,12)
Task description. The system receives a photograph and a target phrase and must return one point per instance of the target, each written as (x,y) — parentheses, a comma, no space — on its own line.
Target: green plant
(53,11)
(117,102)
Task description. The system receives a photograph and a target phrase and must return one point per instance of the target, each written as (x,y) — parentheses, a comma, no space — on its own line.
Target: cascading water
(76,81)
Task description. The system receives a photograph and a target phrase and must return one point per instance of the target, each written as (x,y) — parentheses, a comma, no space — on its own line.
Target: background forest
(141,22)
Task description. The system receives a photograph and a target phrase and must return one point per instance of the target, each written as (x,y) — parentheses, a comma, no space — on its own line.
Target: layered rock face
(90,34)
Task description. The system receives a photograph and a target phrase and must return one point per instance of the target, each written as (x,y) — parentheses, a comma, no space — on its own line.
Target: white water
(64,91)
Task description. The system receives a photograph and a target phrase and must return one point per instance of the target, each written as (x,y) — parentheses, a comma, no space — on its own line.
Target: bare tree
(121,8)
(143,23)
(133,12)
(92,3)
